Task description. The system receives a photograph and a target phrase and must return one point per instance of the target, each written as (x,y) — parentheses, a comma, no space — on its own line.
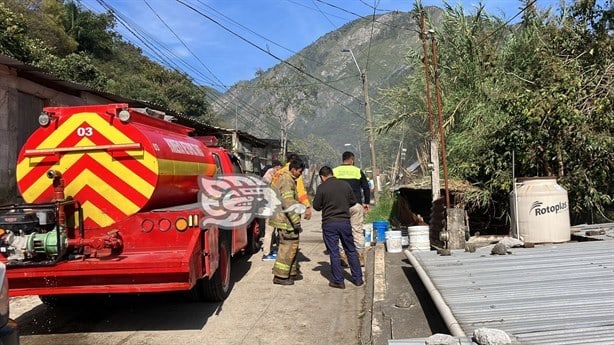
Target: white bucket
(367,230)
(393,241)
(419,237)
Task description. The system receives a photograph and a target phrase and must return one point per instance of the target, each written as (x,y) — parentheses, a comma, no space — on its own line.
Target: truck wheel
(217,287)
(254,233)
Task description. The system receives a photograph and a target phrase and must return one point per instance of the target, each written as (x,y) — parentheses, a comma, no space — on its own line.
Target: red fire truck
(110,206)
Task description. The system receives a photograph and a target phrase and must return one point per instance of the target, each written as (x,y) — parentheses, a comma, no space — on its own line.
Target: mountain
(337,113)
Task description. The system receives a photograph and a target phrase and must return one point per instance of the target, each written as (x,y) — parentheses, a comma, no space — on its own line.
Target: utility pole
(434,148)
(365,91)
(376,181)
(442,138)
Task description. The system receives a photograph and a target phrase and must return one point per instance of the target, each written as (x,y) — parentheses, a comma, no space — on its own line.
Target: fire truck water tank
(115,160)
(543,210)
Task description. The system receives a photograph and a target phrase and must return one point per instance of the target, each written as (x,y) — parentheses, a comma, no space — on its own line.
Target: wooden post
(455,224)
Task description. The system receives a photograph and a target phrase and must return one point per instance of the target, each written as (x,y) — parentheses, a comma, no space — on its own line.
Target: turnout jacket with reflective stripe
(357,180)
(285,187)
(301,192)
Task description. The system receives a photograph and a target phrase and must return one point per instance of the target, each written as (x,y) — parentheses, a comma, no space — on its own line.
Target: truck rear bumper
(132,273)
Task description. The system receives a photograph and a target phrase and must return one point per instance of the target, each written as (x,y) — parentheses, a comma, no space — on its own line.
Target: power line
(292,66)
(259,35)
(200,61)
(146,39)
(509,21)
(183,43)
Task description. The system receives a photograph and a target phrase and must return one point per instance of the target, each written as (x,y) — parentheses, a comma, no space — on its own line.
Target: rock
(441,339)
(404,300)
(499,249)
(470,247)
(511,242)
(491,336)
(444,252)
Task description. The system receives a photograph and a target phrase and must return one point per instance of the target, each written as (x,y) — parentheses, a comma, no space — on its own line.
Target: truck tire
(254,233)
(217,287)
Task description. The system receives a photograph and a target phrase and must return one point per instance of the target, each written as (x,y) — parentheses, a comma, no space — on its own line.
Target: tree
(92,32)
(76,67)
(289,95)
(13,38)
(541,91)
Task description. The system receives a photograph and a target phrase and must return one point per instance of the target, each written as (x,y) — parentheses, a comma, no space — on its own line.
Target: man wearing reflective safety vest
(360,186)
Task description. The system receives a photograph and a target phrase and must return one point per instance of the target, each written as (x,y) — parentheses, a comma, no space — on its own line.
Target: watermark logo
(539,209)
(231,201)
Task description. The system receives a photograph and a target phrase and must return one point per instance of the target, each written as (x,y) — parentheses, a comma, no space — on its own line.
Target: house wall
(21,102)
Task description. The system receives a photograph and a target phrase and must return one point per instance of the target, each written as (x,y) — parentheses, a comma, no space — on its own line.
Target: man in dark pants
(334,198)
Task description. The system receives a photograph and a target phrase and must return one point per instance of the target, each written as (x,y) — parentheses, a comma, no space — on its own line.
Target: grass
(382,210)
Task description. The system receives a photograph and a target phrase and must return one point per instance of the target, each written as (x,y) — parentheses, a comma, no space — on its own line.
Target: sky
(221,42)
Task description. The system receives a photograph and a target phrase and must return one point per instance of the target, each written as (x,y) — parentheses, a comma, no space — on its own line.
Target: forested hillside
(75,44)
(535,98)
(530,98)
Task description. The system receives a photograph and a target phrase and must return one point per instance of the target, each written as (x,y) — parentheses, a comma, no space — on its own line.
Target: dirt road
(256,312)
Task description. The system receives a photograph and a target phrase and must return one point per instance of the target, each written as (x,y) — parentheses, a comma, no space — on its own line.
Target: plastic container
(393,241)
(404,236)
(543,210)
(419,237)
(367,231)
(379,228)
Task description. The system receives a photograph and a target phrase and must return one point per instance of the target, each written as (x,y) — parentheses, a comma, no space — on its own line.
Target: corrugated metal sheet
(421,341)
(602,232)
(550,294)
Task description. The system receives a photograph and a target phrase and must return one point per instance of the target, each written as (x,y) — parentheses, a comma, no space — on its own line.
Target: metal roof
(587,232)
(549,294)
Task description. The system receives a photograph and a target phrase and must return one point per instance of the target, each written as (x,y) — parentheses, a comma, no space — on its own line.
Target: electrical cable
(507,22)
(200,61)
(259,35)
(142,36)
(285,62)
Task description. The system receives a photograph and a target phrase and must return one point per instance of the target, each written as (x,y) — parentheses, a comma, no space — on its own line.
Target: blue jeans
(332,233)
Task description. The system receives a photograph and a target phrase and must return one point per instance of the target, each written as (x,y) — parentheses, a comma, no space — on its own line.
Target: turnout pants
(286,264)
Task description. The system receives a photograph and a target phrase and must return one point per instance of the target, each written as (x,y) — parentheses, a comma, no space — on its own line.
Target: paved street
(256,312)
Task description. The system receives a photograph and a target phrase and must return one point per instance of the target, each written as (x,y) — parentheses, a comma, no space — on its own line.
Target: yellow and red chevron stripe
(112,168)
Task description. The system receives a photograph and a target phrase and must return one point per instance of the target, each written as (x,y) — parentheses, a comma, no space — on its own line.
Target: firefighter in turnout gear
(301,192)
(288,225)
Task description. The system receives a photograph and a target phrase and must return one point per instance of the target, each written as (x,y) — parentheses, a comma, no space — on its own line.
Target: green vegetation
(75,44)
(383,210)
(540,90)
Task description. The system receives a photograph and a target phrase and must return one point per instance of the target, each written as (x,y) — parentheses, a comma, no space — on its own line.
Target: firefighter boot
(282,281)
